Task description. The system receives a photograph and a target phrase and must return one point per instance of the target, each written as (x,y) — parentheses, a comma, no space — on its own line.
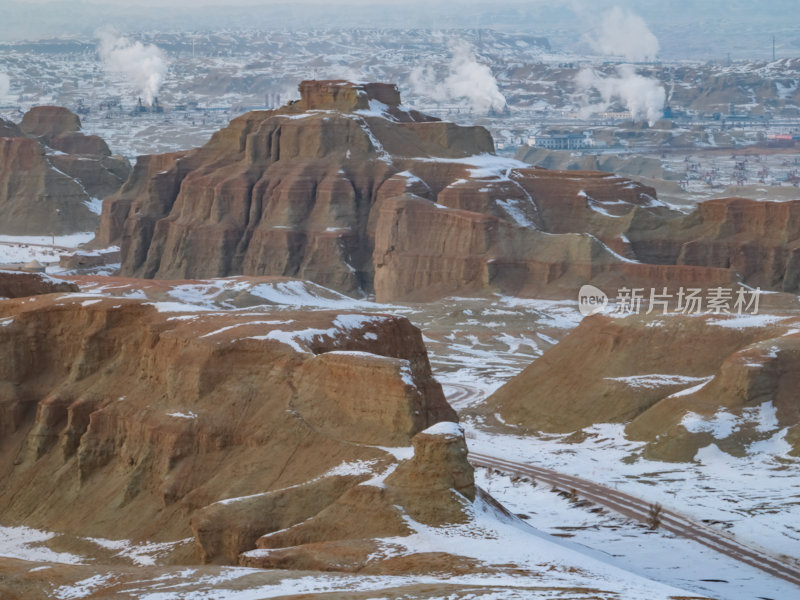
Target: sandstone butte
(348,189)
(50,172)
(724,363)
(260,436)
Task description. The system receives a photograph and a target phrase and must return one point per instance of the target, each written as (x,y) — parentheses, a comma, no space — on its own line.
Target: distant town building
(624,115)
(562,141)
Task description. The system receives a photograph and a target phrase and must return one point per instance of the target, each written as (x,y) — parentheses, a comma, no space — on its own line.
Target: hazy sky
(718,26)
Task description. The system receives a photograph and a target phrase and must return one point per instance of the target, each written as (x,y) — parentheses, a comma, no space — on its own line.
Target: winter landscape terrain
(294,312)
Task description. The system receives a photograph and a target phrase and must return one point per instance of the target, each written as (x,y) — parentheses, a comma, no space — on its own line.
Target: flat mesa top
(340,94)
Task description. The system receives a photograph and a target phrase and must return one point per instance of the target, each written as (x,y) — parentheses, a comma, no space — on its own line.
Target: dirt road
(636,508)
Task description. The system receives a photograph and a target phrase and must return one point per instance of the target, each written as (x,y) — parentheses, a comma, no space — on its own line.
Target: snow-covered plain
(47,249)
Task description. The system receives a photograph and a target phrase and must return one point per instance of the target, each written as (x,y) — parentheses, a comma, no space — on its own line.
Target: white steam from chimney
(5,85)
(142,66)
(642,96)
(466,79)
(625,34)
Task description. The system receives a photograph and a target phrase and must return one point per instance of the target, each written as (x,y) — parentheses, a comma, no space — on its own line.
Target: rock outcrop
(49,122)
(51,175)
(434,487)
(758,240)
(9,129)
(19,284)
(284,192)
(121,420)
(673,380)
(348,189)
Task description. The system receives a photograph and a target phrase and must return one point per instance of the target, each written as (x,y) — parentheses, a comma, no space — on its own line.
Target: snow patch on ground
(656,380)
(84,588)
(142,554)
(747,321)
(182,415)
(25,543)
(356,467)
(445,428)
(721,425)
(495,539)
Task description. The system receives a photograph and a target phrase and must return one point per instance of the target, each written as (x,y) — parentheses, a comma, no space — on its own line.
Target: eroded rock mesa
(348,189)
(121,421)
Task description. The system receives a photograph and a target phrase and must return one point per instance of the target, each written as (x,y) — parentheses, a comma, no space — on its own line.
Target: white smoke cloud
(466,79)
(5,85)
(625,34)
(642,96)
(143,66)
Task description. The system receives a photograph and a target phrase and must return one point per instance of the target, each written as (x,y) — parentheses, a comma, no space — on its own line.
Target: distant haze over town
(697,30)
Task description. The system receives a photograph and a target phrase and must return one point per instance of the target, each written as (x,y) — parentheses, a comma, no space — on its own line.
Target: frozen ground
(519,562)
(15,249)
(655,554)
(476,345)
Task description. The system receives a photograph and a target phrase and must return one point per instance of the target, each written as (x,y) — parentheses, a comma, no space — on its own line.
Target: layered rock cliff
(758,240)
(348,189)
(51,174)
(138,419)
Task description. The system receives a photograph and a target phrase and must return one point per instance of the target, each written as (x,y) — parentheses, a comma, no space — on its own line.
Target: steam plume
(466,79)
(625,34)
(642,96)
(143,66)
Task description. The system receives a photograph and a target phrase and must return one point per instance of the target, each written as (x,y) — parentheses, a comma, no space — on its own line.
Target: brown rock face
(152,177)
(344,96)
(665,377)
(18,284)
(122,421)
(331,393)
(433,487)
(285,192)
(35,197)
(42,192)
(347,189)
(438,467)
(75,142)
(424,251)
(758,240)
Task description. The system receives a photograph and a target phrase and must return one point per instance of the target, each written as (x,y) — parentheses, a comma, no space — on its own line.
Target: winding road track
(636,508)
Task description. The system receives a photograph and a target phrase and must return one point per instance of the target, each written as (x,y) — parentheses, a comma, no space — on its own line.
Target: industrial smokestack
(142,66)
